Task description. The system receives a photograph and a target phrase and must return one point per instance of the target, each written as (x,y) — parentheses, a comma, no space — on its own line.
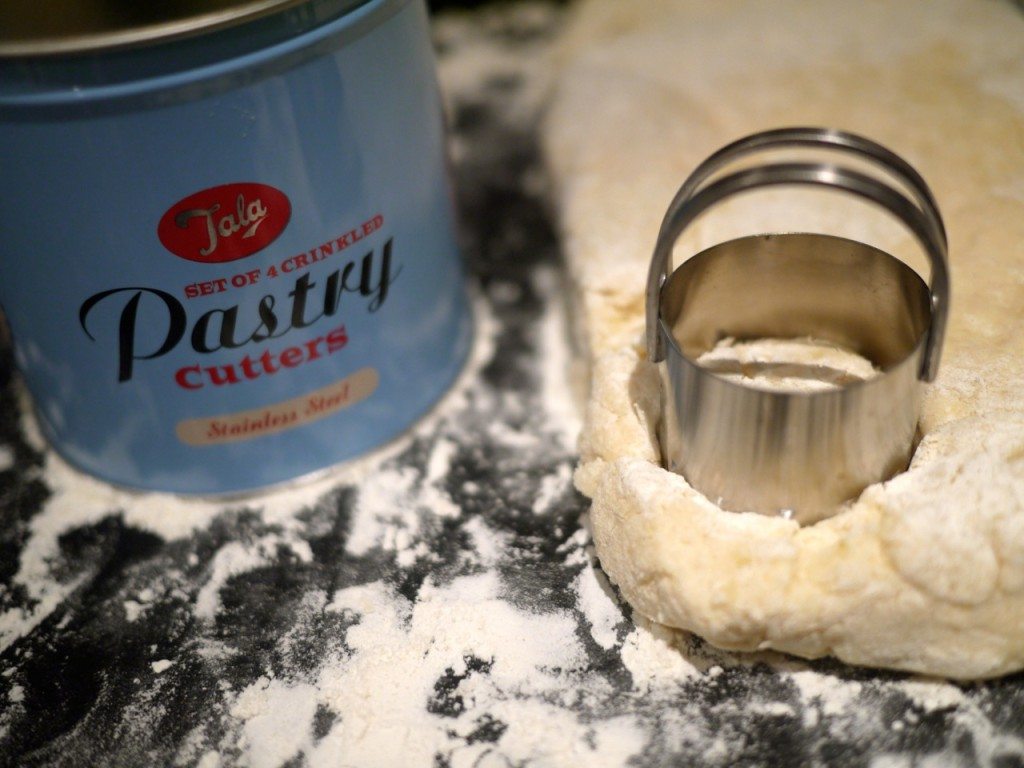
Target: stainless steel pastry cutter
(800,454)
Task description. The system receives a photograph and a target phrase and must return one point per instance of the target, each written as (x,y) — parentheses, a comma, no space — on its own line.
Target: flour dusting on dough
(925,572)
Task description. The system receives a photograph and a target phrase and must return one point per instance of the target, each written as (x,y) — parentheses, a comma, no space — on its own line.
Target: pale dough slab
(925,572)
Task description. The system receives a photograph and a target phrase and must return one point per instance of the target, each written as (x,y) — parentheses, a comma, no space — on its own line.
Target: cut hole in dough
(787,365)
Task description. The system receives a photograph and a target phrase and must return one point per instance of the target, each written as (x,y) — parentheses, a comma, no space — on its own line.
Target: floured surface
(922,573)
(438,604)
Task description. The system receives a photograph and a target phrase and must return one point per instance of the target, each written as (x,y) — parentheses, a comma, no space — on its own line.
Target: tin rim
(32,29)
(63,101)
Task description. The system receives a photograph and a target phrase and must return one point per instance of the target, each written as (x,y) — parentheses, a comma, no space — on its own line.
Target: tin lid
(50,27)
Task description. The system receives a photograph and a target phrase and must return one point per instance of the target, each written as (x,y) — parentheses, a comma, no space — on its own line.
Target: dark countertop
(437,604)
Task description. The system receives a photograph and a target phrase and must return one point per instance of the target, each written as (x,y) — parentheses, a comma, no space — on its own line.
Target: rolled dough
(924,572)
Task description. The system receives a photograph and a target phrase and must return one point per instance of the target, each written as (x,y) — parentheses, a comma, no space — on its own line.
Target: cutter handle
(917,210)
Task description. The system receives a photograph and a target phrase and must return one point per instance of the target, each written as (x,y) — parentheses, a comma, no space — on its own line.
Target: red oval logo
(225,223)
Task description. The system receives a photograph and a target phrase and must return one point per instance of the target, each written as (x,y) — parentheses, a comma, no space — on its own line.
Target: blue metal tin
(229,260)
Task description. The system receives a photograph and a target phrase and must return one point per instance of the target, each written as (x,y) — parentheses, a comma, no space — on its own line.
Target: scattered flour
(6,458)
(488,545)
(595,599)
(831,695)
(398,651)
(133,609)
(556,357)
(552,487)
(277,717)
(238,557)
(653,655)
